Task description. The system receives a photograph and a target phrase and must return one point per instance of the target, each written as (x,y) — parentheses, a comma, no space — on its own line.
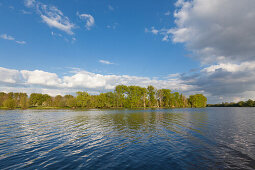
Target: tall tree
(151,93)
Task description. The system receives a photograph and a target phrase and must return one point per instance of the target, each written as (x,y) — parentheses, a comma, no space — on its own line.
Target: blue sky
(118,35)
(190,46)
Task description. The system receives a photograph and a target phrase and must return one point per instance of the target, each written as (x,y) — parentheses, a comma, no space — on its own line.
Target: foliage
(197,100)
(122,97)
(9,103)
(24,103)
(248,103)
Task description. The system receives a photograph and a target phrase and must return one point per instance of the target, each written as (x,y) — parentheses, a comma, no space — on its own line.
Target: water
(209,138)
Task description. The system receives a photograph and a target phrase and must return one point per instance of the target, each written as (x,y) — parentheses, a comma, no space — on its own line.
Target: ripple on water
(128,139)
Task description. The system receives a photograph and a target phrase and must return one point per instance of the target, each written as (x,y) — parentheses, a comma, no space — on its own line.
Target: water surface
(209,138)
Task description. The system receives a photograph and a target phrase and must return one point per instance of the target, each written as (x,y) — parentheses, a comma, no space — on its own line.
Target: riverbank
(68,108)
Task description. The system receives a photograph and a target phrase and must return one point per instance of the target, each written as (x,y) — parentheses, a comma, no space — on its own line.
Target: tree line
(248,103)
(122,97)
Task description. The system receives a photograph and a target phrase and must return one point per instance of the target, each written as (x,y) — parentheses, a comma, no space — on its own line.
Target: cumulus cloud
(225,81)
(218,30)
(90,21)
(11,38)
(221,34)
(219,82)
(40,77)
(52,16)
(28,81)
(9,75)
(105,62)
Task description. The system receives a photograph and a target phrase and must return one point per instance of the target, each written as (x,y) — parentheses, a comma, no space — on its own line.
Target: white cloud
(215,31)
(152,30)
(224,81)
(37,80)
(52,16)
(6,37)
(21,42)
(229,67)
(29,3)
(90,21)
(220,82)
(105,62)
(221,35)
(11,38)
(9,75)
(40,77)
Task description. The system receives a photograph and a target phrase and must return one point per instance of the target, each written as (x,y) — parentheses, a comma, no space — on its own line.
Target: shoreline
(82,109)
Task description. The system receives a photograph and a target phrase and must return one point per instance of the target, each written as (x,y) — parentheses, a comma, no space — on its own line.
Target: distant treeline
(248,103)
(122,97)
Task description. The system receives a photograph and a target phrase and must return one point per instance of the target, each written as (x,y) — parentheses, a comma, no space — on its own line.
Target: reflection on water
(128,139)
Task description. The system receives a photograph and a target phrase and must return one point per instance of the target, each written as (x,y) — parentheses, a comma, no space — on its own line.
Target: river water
(207,138)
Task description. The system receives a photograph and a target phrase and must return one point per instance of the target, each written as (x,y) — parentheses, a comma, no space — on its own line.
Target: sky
(189,46)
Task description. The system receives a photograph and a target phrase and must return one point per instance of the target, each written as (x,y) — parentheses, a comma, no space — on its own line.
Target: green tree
(120,91)
(82,99)
(59,101)
(250,103)
(24,102)
(3,97)
(197,100)
(152,98)
(10,103)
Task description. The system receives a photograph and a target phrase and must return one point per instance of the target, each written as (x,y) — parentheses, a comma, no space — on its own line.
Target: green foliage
(152,98)
(70,101)
(248,103)
(9,103)
(120,92)
(82,99)
(3,97)
(122,97)
(24,103)
(197,100)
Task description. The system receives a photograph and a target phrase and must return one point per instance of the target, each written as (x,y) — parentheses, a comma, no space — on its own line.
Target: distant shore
(67,108)
(122,97)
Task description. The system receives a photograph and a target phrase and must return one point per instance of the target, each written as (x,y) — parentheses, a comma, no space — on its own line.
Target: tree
(10,104)
(122,97)
(198,100)
(250,103)
(82,99)
(59,101)
(3,97)
(24,102)
(120,91)
(144,96)
(70,101)
(36,99)
(151,93)
(166,97)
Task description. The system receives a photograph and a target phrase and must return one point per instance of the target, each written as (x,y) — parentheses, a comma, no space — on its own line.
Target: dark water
(210,138)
